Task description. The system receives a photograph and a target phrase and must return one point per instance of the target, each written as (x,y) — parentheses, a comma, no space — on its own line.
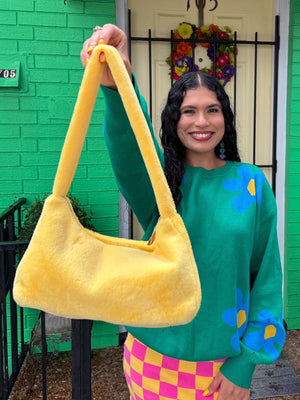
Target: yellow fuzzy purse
(73,272)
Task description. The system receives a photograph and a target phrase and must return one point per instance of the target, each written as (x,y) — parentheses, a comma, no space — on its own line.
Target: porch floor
(108,382)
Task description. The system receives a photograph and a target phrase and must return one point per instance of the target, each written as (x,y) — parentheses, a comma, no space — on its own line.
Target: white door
(242,16)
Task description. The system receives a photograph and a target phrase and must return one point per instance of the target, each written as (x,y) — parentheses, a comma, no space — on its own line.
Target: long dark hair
(174,151)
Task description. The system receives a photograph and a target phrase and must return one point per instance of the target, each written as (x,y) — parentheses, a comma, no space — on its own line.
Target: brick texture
(34,118)
(292,238)
(47,37)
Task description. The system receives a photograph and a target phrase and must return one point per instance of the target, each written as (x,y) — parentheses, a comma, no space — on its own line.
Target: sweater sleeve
(264,336)
(127,162)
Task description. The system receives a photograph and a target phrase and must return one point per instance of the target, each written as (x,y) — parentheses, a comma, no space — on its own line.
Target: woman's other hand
(112,36)
(228,390)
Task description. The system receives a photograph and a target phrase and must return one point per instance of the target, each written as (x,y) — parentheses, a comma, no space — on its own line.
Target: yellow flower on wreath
(180,71)
(185,31)
(205,29)
(228,29)
(233,57)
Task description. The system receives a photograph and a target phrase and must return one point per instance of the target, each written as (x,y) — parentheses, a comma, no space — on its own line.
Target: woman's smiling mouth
(201,136)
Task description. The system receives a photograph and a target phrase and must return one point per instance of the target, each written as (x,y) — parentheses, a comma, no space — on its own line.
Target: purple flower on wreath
(180,63)
(224,80)
(185,62)
(228,70)
(212,49)
(188,61)
(193,68)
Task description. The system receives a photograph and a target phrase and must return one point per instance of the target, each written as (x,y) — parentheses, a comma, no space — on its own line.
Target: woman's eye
(188,111)
(213,110)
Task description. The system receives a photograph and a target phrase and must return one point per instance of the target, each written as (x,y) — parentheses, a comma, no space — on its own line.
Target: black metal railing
(13,347)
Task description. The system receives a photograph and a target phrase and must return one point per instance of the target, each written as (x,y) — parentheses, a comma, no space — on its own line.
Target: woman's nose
(201,119)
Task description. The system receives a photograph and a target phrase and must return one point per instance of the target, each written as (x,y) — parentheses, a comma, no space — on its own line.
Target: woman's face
(201,127)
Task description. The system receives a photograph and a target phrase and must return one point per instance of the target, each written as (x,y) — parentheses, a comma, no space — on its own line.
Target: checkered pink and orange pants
(153,376)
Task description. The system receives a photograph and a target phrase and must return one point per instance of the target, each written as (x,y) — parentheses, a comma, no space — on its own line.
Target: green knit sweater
(230,215)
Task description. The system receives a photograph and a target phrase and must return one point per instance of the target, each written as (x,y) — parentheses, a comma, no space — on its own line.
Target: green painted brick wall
(292,234)
(46,36)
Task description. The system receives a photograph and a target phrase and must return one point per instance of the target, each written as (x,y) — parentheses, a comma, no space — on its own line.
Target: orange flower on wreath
(199,33)
(213,28)
(205,45)
(176,57)
(183,48)
(177,36)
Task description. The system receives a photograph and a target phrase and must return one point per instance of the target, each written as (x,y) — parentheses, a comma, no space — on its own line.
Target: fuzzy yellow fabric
(73,272)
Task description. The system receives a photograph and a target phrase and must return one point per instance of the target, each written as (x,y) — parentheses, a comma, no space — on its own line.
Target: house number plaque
(8,73)
(10,70)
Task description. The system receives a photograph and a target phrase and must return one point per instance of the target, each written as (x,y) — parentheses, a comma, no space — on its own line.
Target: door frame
(283,10)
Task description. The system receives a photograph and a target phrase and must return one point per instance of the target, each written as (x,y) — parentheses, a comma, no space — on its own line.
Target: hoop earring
(222,154)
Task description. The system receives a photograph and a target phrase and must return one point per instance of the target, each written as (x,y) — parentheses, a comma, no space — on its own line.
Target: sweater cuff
(239,369)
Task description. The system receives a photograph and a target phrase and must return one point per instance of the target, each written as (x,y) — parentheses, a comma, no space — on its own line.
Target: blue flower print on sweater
(269,332)
(250,185)
(237,317)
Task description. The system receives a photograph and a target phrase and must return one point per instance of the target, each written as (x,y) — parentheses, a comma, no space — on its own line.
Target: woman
(230,214)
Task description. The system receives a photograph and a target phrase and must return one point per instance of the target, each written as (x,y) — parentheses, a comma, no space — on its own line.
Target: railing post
(3,333)
(81,360)
(11,355)
(13,306)
(44,354)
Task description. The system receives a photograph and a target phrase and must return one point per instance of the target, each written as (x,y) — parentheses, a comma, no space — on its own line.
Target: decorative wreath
(224,52)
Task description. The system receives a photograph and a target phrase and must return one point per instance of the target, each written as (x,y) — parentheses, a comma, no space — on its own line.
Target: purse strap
(81,119)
